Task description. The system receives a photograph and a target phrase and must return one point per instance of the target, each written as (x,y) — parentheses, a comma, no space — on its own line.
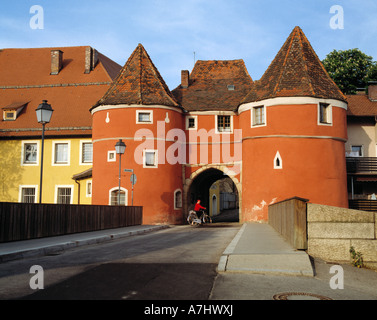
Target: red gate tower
(294,133)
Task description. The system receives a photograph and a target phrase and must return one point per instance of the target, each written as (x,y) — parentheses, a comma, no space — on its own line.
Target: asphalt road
(178,263)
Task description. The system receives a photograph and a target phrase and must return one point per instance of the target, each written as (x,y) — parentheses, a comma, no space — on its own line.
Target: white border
(135,106)
(187,122)
(231,124)
(27,186)
(144,111)
(252,111)
(108,156)
(81,163)
(329,115)
(121,189)
(23,153)
(71,186)
(278,156)
(155,158)
(54,143)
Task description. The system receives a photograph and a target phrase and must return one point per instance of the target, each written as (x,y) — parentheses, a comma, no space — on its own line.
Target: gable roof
(139,82)
(208,86)
(25,78)
(296,71)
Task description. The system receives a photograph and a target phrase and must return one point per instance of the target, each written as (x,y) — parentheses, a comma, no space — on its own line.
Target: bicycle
(194,220)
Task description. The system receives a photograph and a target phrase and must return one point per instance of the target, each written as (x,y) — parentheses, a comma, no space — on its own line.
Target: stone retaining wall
(332,231)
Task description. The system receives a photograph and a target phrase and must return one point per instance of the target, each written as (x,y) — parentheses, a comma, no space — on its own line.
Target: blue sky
(171,31)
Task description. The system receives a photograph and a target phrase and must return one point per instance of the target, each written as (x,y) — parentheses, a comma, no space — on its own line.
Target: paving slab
(258,248)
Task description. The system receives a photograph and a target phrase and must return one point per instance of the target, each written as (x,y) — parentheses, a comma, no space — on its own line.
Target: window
(28,194)
(9,115)
(64,195)
(178,199)
(356,151)
(86,152)
(30,153)
(258,116)
(111,156)
(61,153)
(144,116)
(325,113)
(89,189)
(231,87)
(224,123)
(191,123)
(150,159)
(278,162)
(117,198)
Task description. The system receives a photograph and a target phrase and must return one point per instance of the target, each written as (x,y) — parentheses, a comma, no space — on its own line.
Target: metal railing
(361,164)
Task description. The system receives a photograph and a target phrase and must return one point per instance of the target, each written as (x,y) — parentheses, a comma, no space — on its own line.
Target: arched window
(278,162)
(116,199)
(177,199)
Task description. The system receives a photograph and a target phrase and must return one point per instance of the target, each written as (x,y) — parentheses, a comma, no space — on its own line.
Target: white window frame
(89,182)
(121,189)
(72,187)
(231,124)
(278,156)
(175,198)
(54,163)
(144,111)
(155,158)
(188,120)
(253,111)
(30,187)
(82,142)
(23,163)
(329,116)
(6,112)
(361,150)
(109,154)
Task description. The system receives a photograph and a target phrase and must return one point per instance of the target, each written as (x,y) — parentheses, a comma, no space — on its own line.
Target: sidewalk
(50,245)
(258,248)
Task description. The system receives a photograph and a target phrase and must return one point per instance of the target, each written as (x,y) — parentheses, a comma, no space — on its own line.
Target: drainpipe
(78,198)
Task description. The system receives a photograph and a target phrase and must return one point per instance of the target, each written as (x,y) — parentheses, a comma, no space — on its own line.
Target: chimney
(91,59)
(185,78)
(372,90)
(56,61)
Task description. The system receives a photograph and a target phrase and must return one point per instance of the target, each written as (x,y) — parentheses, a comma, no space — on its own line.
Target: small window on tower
(325,116)
(278,162)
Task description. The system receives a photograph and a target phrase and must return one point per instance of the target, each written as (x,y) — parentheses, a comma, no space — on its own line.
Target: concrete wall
(332,231)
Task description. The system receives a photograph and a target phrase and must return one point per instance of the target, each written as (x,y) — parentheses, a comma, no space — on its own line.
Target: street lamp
(44,113)
(120,148)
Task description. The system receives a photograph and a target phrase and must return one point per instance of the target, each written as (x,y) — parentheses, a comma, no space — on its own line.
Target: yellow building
(71,79)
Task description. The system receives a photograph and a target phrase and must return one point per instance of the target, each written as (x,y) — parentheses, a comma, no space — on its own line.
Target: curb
(62,246)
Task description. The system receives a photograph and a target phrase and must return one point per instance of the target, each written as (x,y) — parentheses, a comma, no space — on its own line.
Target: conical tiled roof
(296,71)
(139,82)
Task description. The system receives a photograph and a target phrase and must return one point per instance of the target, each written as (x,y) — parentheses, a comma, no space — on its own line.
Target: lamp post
(120,148)
(44,113)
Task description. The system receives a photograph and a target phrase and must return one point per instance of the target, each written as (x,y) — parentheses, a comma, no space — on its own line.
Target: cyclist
(198,207)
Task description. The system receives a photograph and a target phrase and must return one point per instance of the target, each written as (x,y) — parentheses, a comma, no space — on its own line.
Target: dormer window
(9,115)
(11,111)
(231,87)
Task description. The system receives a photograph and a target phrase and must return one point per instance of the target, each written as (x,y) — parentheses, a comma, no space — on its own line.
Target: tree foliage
(350,69)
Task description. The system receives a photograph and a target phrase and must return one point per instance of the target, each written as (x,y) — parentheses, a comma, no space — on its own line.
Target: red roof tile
(208,86)
(360,105)
(295,71)
(139,82)
(25,77)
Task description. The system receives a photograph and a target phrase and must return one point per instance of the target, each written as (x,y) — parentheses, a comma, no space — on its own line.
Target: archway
(199,186)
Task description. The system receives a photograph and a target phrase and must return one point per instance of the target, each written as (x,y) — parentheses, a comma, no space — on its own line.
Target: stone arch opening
(208,181)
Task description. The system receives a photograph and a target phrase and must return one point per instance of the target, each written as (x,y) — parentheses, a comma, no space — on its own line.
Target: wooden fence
(288,218)
(22,221)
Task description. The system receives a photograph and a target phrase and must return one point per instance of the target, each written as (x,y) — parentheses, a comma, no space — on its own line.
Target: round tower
(139,109)
(294,133)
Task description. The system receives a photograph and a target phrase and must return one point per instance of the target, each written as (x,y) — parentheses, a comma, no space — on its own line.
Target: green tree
(350,69)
